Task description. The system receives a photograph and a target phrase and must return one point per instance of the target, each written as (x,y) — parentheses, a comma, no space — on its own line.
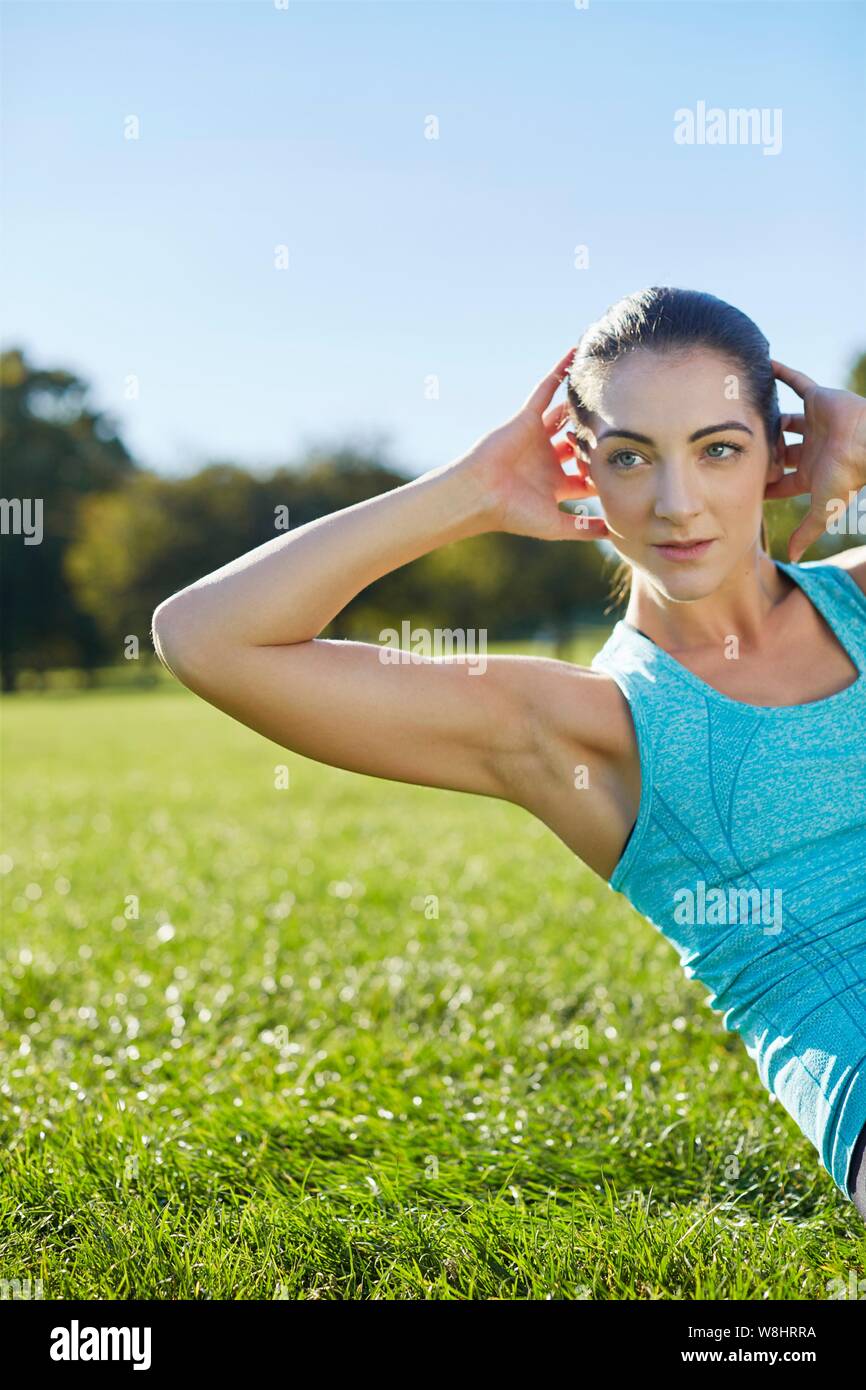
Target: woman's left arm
(829,464)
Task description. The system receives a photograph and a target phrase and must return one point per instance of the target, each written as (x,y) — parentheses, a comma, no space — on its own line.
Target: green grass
(286,1078)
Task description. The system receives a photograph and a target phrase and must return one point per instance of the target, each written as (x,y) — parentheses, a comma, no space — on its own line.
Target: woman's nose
(676,500)
(678,509)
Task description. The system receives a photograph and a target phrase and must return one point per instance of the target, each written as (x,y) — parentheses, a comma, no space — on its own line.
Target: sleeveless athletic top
(749,855)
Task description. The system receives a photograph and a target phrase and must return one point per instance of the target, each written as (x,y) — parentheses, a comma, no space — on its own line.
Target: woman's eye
(732,449)
(626,460)
(622,454)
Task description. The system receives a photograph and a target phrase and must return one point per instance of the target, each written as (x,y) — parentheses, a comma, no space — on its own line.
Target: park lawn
(353,1039)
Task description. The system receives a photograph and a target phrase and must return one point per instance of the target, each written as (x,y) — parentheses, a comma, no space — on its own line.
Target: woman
(720,731)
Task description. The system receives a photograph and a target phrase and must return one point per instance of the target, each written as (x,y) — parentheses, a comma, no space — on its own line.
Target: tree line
(116,538)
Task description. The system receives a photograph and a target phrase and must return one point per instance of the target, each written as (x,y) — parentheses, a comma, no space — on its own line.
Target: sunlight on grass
(354,1039)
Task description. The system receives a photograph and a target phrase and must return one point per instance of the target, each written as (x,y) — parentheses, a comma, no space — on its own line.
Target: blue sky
(409,259)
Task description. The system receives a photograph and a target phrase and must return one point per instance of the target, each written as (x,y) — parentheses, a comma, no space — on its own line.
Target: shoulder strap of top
(839,599)
(648,683)
(652,683)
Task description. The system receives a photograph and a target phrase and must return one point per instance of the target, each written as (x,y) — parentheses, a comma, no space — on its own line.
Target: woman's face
(697,472)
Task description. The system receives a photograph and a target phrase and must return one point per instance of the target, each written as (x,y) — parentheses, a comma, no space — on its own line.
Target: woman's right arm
(245,637)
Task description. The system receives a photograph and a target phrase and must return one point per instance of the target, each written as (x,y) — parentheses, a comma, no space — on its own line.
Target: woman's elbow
(178,638)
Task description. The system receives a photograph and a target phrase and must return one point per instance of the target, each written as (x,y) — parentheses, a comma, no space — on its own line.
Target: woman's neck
(741,606)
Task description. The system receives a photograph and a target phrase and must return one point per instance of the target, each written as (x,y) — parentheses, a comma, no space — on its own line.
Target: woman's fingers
(793,424)
(569,448)
(556,417)
(565,449)
(572,466)
(574,480)
(546,388)
(566,460)
(794,456)
(579,522)
(811,528)
(792,485)
(798,381)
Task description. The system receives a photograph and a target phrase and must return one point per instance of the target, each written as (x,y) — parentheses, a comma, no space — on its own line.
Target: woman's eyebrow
(698,434)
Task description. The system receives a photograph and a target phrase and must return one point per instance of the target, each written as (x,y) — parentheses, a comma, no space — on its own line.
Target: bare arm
(245,637)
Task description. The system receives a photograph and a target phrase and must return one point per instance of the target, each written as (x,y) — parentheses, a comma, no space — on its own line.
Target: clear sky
(410,260)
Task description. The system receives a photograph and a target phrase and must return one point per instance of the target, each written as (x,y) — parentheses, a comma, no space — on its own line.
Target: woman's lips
(684,552)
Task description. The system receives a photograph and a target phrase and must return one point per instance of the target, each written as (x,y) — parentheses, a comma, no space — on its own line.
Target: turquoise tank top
(748,854)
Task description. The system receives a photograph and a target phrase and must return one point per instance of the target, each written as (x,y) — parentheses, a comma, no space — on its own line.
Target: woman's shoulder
(853,560)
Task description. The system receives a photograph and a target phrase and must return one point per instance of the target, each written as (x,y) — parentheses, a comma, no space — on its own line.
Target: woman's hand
(830,463)
(520,469)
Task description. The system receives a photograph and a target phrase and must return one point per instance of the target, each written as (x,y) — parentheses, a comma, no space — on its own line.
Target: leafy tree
(55,449)
(140,545)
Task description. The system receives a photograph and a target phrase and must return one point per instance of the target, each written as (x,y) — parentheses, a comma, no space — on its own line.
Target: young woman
(721,730)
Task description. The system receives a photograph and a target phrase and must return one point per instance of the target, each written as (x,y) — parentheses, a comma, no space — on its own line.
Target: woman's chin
(682,579)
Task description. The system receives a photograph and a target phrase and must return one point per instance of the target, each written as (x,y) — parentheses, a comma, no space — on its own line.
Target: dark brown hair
(669,320)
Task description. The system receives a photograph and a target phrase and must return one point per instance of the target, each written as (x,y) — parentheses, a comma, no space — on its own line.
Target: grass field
(349,1039)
